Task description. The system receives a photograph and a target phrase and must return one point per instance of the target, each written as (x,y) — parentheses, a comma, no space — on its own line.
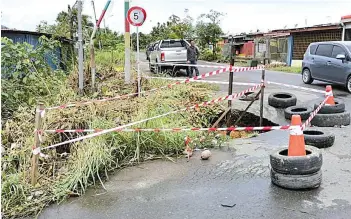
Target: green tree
(174,28)
(208,29)
(62,26)
(108,38)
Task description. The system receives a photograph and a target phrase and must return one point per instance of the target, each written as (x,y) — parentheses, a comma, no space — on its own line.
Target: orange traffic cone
(296,139)
(329,92)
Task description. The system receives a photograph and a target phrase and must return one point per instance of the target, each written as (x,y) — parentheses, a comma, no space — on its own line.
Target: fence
(41,111)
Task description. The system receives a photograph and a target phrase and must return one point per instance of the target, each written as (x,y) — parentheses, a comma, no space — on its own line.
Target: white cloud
(241,15)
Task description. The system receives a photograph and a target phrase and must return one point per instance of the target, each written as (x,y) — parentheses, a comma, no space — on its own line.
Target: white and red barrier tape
(206,66)
(263,128)
(203,81)
(185,65)
(229,97)
(313,114)
(134,94)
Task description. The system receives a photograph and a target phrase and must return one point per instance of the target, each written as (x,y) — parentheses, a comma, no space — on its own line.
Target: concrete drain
(249,96)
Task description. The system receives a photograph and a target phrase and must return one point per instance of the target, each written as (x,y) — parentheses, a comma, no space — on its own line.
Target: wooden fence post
(262,96)
(35,156)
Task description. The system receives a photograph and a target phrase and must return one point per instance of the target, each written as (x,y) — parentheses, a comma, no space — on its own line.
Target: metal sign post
(139,76)
(136,17)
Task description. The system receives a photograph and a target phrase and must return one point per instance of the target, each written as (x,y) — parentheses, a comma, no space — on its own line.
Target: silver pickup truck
(168,52)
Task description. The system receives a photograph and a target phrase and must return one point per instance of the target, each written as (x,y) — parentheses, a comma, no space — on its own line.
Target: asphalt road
(236,174)
(253,77)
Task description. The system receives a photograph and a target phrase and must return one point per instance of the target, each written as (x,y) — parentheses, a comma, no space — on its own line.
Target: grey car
(329,62)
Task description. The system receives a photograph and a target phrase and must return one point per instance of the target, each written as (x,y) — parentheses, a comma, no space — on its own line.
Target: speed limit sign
(136,16)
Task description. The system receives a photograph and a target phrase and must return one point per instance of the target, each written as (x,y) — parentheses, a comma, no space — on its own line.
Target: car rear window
(172,44)
(313,48)
(324,50)
(338,50)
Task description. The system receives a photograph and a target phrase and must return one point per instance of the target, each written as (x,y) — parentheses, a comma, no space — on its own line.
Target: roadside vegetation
(289,69)
(71,168)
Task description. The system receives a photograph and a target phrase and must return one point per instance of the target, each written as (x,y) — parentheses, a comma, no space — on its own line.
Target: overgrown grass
(288,69)
(71,168)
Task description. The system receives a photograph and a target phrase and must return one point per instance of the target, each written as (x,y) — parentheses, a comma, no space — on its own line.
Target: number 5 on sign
(136,16)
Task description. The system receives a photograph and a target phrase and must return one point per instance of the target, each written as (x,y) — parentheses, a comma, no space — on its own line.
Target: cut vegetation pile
(70,169)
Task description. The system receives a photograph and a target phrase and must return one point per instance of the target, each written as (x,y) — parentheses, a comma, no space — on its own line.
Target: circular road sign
(136,16)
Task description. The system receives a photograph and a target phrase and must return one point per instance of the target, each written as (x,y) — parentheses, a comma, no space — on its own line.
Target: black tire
(307,76)
(339,107)
(282,100)
(331,120)
(303,111)
(158,69)
(348,84)
(150,67)
(297,165)
(318,138)
(308,181)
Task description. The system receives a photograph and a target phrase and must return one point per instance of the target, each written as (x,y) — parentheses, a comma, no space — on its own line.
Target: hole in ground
(310,132)
(248,120)
(283,96)
(285,152)
(299,110)
(248,93)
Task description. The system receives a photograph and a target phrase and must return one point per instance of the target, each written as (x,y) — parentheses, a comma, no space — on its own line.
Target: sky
(240,15)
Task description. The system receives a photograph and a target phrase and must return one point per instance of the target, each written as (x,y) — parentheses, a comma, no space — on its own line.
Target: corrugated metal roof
(331,26)
(34,33)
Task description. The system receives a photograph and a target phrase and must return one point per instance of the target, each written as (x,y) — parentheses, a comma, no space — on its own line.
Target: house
(346,27)
(64,54)
(297,40)
(243,44)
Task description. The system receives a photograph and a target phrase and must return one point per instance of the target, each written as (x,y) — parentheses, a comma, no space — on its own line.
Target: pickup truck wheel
(150,67)
(158,69)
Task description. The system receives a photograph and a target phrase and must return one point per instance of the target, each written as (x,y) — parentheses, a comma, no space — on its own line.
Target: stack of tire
(288,101)
(313,137)
(331,115)
(297,172)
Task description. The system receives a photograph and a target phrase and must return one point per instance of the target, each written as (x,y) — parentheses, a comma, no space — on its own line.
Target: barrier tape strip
(296,87)
(329,94)
(205,66)
(203,81)
(313,114)
(296,130)
(229,97)
(186,65)
(146,91)
(263,128)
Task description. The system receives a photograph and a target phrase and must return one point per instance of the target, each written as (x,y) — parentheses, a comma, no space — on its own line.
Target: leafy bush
(26,76)
(208,55)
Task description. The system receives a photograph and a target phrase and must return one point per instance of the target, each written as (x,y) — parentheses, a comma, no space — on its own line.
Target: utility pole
(92,2)
(127,77)
(71,35)
(96,20)
(80,48)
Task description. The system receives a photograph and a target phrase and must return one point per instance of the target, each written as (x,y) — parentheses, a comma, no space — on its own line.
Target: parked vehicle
(329,62)
(168,52)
